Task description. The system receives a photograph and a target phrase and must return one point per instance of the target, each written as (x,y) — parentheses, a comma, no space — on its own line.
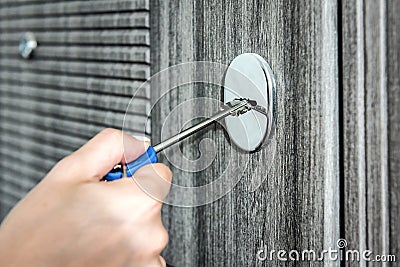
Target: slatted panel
(92,57)
(54,8)
(105,21)
(89,37)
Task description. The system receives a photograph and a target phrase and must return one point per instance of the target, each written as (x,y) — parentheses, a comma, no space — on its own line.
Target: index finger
(101,153)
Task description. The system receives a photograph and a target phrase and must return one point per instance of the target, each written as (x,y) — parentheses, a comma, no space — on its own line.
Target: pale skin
(72,218)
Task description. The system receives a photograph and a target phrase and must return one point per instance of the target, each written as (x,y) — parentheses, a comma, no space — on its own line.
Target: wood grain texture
(297,207)
(354,125)
(370,118)
(393,96)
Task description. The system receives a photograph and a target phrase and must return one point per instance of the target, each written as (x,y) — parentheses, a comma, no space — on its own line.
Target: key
(236,107)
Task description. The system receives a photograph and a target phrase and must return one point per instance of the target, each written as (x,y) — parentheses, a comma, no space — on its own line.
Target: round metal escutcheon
(250,76)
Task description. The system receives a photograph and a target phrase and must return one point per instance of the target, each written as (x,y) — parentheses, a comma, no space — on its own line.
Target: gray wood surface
(297,206)
(80,81)
(370,125)
(393,96)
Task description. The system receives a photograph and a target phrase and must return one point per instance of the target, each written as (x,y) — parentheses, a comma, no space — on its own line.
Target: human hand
(71,218)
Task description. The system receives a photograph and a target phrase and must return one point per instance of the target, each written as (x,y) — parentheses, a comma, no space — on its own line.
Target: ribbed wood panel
(371,124)
(92,57)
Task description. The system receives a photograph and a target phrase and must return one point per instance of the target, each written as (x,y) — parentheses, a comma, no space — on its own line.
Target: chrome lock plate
(249,76)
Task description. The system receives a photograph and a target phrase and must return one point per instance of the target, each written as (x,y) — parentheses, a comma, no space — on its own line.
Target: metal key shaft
(232,108)
(235,108)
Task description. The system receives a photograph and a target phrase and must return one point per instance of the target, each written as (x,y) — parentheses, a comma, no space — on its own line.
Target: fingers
(100,154)
(157,261)
(128,197)
(162,262)
(154,180)
(151,183)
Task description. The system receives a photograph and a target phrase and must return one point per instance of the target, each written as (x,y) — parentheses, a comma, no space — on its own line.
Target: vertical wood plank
(393,86)
(353,83)
(173,20)
(370,59)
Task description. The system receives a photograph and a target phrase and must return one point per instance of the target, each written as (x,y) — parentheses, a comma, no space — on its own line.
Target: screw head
(27,45)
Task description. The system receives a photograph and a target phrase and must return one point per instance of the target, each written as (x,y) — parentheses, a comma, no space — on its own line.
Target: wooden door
(333,170)
(298,204)
(336,69)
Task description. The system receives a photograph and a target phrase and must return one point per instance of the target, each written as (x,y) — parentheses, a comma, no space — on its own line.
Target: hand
(71,218)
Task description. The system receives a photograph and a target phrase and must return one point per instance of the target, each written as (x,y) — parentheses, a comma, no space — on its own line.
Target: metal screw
(27,45)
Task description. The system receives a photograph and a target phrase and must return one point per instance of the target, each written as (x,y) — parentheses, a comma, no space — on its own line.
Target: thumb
(100,154)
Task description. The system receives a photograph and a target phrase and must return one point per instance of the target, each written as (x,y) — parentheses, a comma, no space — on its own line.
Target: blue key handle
(113,175)
(149,157)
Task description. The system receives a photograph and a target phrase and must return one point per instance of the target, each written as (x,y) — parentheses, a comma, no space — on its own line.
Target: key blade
(231,108)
